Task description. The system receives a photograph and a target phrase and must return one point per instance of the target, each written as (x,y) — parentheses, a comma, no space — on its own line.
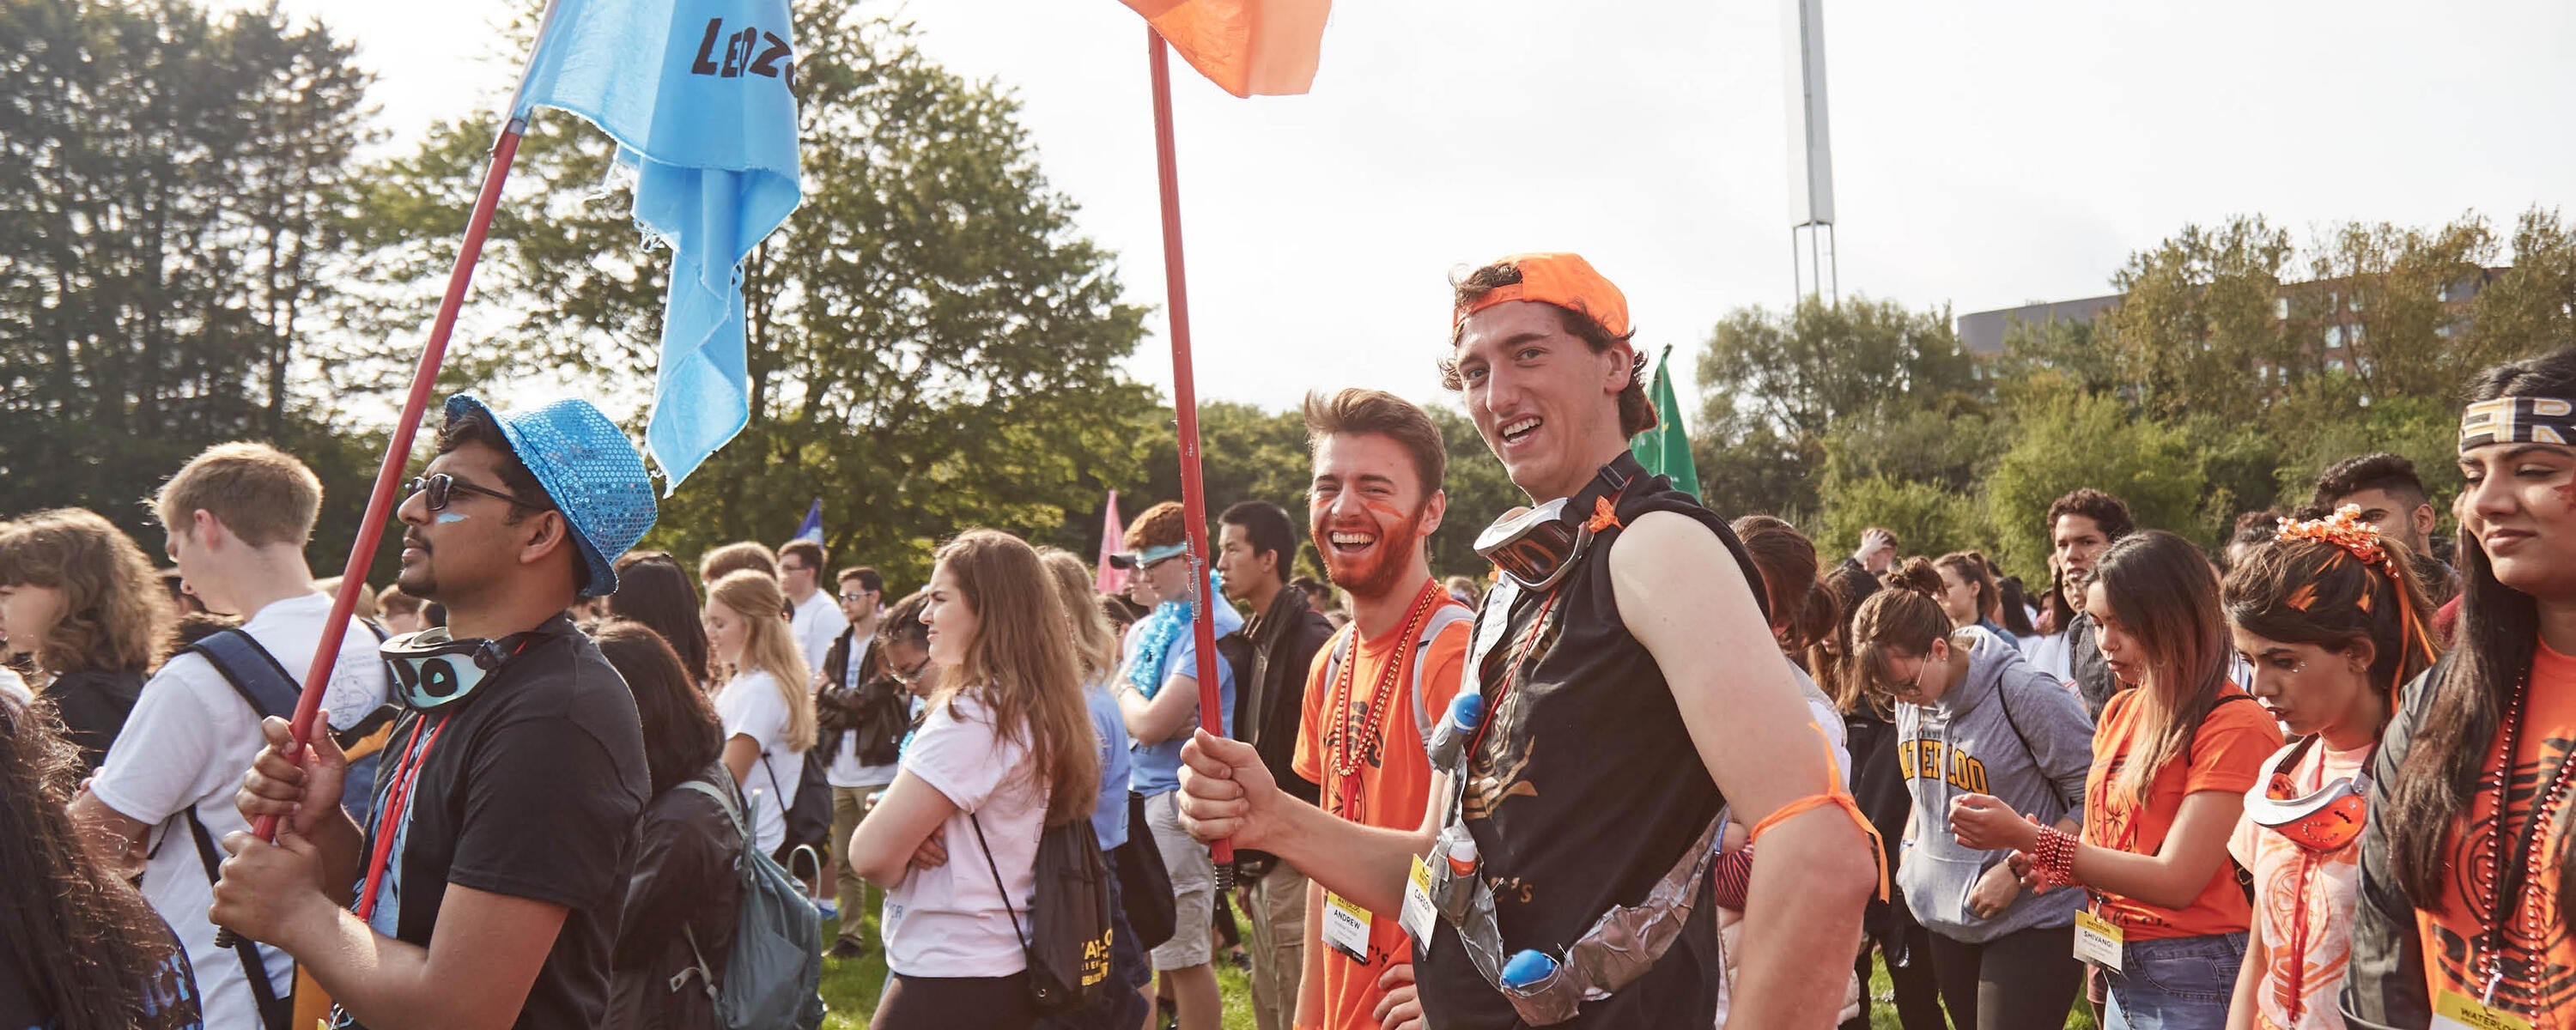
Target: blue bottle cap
(1527,969)
(1467,710)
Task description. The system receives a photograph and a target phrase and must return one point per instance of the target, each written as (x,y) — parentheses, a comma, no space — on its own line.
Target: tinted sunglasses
(2326,819)
(439,489)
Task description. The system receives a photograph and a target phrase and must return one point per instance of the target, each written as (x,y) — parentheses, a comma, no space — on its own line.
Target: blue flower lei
(1160,629)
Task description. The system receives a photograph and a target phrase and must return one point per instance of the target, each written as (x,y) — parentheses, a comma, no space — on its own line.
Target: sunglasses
(2326,819)
(857,597)
(439,489)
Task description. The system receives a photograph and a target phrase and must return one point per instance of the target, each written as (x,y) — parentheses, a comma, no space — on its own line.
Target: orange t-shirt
(2538,955)
(2227,753)
(2303,901)
(1389,788)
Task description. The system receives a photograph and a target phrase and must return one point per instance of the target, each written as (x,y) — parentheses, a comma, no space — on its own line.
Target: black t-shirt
(531,789)
(93,704)
(1584,790)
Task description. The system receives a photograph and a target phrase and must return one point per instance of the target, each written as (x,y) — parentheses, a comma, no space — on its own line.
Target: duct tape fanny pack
(1544,989)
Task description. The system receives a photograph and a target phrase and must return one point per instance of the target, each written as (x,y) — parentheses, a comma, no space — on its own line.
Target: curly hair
(2378,471)
(2108,513)
(1162,525)
(116,616)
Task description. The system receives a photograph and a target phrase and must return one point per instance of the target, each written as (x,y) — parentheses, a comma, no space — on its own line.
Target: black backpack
(809,813)
(1067,939)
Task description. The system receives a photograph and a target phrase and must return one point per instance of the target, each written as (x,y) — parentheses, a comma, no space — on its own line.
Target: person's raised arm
(1226,791)
(1684,597)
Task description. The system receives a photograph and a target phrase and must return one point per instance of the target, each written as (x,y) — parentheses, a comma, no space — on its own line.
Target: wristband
(2053,857)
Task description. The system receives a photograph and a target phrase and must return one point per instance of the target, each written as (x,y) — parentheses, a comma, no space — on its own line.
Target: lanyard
(397,805)
(1517,668)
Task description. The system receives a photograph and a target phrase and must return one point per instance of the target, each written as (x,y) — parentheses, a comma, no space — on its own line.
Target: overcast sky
(1985,154)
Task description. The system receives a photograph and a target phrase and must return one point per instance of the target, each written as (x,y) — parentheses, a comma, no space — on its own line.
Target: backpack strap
(274,1012)
(1027,950)
(254,673)
(732,809)
(2003,699)
(1441,619)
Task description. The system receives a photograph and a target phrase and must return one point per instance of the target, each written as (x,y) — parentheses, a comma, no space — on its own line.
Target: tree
(2531,308)
(176,185)
(932,344)
(2199,317)
(2395,299)
(2077,441)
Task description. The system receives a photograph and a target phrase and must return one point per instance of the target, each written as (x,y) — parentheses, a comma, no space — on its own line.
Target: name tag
(2459,1012)
(1418,914)
(1346,927)
(2098,942)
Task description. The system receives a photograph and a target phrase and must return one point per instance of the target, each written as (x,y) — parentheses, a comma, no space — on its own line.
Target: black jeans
(940,1003)
(2027,978)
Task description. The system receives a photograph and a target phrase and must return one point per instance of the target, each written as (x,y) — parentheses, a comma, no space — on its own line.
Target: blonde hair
(1022,663)
(116,615)
(1095,648)
(771,648)
(262,494)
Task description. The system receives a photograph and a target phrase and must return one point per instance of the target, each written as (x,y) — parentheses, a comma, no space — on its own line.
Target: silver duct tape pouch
(1618,949)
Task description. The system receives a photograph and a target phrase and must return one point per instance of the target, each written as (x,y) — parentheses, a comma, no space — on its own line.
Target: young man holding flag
(1374,501)
(486,890)
(1633,692)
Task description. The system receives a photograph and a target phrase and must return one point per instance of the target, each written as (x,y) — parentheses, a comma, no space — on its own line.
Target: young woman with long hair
(654,590)
(2468,876)
(1123,1006)
(768,713)
(78,597)
(683,895)
(1976,722)
(2176,750)
(2331,620)
(79,947)
(1005,749)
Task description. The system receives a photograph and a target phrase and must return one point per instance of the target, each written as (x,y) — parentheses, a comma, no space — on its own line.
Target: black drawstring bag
(1143,881)
(1067,940)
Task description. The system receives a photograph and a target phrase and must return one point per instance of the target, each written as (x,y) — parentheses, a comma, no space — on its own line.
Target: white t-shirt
(187,743)
(949,921)
(846,770)
(817,623)
(750,706)
(13,688)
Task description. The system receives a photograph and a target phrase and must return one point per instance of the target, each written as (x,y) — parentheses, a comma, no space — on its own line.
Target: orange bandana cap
(1565,280)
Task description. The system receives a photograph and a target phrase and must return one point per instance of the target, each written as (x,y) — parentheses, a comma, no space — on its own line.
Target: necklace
(2509,877)
(1347,752)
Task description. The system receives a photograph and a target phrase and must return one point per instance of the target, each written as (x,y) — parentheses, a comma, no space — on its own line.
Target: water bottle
(1527,970)
(1450,738)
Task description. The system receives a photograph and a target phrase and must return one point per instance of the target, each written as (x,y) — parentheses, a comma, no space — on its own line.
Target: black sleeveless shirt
(1585,789)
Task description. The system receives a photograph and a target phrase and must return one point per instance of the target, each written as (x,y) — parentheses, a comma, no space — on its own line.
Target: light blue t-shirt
(1158,766)
(1109,819)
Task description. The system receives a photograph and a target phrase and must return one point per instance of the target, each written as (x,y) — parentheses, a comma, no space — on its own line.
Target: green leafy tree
(177,185)
(2395,300)
(2077,441)
(2199,317)
(1926,518)
(2531,307)
(932,344)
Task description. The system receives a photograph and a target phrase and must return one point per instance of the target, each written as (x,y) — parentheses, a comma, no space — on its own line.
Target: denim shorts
(2180,983)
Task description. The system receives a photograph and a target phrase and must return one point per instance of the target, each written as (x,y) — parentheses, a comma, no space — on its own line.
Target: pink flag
(1113,530)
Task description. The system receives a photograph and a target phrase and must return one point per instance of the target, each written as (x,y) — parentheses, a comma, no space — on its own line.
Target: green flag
(1666,449)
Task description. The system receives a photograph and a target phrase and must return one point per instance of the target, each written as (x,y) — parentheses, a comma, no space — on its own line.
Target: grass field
(850,990)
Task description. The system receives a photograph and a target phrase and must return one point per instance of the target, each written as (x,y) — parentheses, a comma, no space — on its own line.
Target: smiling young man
(1373,503)
(486,892)
(1632,698)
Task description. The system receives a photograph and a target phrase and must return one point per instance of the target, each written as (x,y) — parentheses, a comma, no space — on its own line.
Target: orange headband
(2346,530)
(1561,279)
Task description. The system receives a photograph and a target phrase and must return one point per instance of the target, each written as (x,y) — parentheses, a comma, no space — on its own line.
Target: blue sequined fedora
(589,469)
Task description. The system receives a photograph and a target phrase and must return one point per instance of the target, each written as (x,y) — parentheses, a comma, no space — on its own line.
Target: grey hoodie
(1964,744)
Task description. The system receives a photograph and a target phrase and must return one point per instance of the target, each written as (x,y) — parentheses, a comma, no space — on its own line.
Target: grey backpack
(773,978)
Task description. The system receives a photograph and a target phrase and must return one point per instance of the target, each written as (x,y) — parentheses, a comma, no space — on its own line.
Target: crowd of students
(2317,780)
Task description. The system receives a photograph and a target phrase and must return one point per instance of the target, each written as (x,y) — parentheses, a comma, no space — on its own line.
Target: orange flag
(1268,47)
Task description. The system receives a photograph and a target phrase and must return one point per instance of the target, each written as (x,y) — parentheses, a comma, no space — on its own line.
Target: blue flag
(699,95)
(812,527)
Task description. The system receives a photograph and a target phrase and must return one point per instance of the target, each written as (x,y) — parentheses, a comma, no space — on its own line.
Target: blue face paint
(446,517)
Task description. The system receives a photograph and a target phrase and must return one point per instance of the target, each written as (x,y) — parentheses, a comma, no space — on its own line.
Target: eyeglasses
(856,598)
(441,488)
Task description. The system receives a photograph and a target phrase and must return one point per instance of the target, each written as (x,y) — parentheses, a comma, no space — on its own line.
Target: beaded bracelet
(2053,858)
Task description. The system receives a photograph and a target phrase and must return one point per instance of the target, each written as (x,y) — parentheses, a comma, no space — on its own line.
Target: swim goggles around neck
(2326,819)
(1536,547)
(434,669)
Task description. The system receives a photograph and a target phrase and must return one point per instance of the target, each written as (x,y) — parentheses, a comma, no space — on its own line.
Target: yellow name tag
(2460,1012)
(1346,927)
(1418,915)
(2098,942)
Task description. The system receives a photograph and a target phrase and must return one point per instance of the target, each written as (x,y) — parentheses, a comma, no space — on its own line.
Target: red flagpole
(380,502)
(1185,405)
